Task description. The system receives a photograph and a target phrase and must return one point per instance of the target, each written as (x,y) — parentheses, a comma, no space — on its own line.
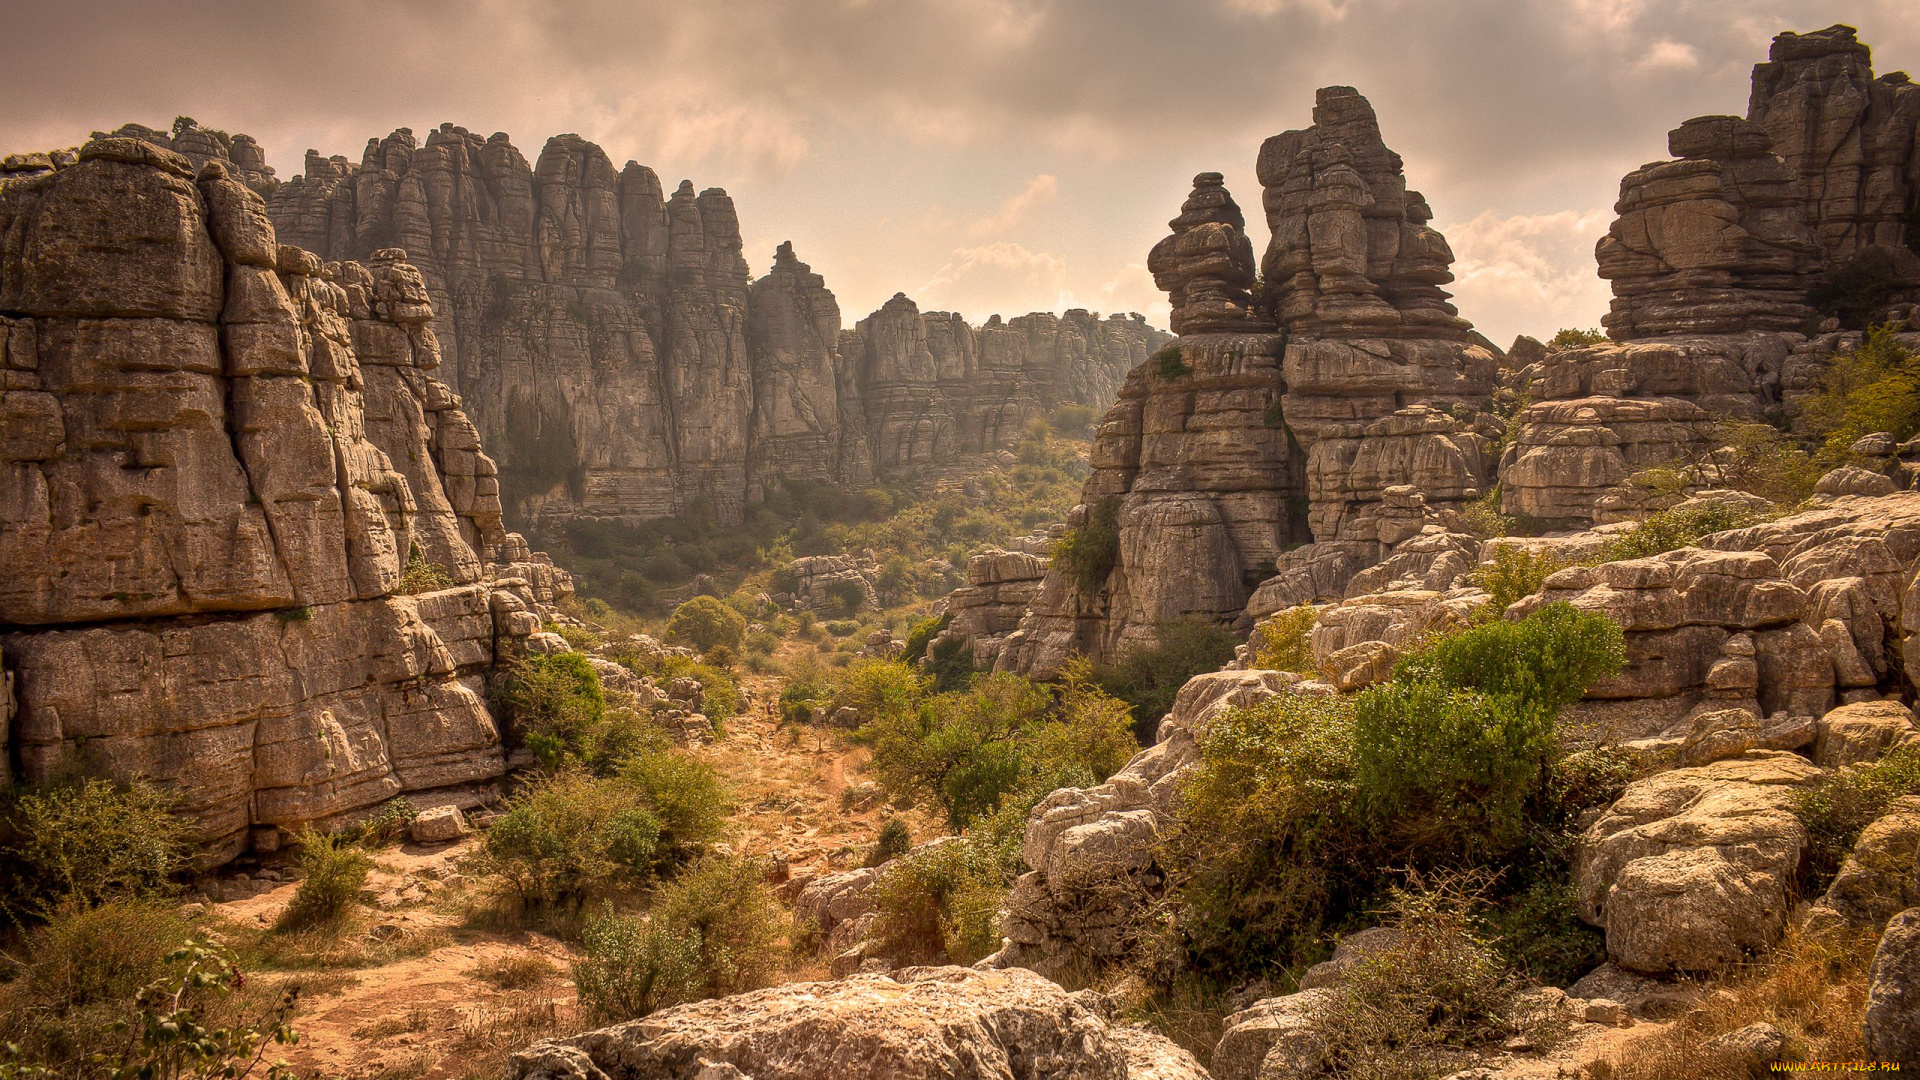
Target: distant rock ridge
(1307,429)
(613,345)
(220,458)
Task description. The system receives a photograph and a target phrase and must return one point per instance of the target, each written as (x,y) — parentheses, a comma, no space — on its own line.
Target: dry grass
(521,971)
(414,1019)
(1814,989)
(492,1033)
(344,945)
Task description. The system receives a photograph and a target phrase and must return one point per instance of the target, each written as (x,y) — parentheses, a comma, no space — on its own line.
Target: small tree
(704,622)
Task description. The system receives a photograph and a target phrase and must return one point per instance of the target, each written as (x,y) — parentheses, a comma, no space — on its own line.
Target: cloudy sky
(980,155)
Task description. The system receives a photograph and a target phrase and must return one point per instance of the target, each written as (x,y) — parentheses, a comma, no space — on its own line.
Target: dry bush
(1812,987)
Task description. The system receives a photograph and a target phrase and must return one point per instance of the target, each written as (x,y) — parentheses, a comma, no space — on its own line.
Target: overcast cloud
(981,155)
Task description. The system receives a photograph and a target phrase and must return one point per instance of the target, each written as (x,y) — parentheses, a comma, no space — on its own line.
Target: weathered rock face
(1242,444)
(244,159)
(1823,169)
(609,344)
(1689,870)
(947,1023)
(1892,1027)
(219,455)
(933,389)
(1000,586)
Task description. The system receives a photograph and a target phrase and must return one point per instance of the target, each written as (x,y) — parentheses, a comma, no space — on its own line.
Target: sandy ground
(420,988)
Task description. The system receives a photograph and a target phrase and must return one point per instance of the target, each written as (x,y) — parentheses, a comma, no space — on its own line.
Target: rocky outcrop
(610,346)
(1690,870)
(1001,586)
(1093,852)
(220,455)
(243,158)
(1344,408)
(947,1023)
(1892,1027)
(1717,260)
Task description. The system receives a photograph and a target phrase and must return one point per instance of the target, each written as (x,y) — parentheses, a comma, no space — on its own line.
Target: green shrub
(940,904)
(1547,659)
(332,873)
(556,703)
(421,574)
(1574,338)
(1269,843)
(1762,460)
(1452,769)
(1075,421)
(725,905)
(844,598)
(1671,530)
(1089,551)
(1876,387)
(721,692)
(1149,676)
(684,796)
(1842,803)
(950,664)
(73,989)
(630,967)
(960,749)
(571,836)
(842,627)
(704,622)
(1169,365)
(894,841)
(921,634)
(1089,738)
(1281,642)
(1513,574)
(880,688)
(1423,1005)
(176,1031)
(86,842)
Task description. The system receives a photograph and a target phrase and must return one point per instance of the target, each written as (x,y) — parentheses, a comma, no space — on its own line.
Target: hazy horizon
(993,157)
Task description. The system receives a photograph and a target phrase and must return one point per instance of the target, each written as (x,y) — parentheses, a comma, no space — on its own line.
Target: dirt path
(418,989)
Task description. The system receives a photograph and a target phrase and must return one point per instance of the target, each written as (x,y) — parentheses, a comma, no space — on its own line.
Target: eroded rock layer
(615,349)
(1344,408)
(219,457)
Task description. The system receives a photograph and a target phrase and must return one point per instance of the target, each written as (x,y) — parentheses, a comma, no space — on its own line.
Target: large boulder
(1893,993)
(1863,732)
(1878,878)
(943,1023)
(1689,870)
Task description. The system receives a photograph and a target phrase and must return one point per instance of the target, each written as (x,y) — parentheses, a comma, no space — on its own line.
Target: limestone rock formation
(1358,424)
(220,454)
(1892,1027)
(1206,267)
(933,389)
(1717,260)
(607,340)
(940,1023)
(244,159)
(1690,869)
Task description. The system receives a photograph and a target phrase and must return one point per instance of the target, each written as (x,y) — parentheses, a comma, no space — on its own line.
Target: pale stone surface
(1689,870)
(1893,993)
(201,565)
(914,1024)
(1854,734)
(437,825)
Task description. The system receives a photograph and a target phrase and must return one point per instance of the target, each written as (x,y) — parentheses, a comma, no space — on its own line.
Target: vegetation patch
(1170,365)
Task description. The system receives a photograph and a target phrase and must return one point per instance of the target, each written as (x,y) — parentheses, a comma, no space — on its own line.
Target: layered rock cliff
(1732,266)
(220,454)
(1297,416)
(613,346)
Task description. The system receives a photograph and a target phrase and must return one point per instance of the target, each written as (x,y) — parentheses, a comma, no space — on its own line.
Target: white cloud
(1671,55)
(1039,191)
(1000,277)
(1529,273)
